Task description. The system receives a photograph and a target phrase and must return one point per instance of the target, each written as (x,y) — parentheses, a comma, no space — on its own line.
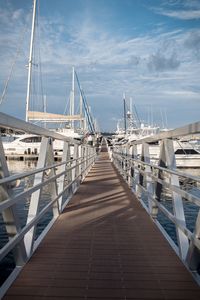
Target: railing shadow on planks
(160,188)
(21,235)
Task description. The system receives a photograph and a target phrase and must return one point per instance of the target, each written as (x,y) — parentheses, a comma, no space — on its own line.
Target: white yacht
(186,156)
(187,151)
(29,145)
(22,144)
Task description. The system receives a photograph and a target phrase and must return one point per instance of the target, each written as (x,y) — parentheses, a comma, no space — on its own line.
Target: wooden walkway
(104,246)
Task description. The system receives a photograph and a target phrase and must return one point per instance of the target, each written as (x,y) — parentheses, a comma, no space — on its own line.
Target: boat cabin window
(32,139)
(186,151)
(154,143)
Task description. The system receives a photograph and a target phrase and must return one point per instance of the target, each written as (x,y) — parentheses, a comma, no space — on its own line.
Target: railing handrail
(20,197)
(38,170)
(9,122)
(171,171)
(62,182)
(148,180)
(193,128)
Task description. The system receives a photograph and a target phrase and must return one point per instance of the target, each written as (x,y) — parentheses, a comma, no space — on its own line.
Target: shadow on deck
(104,246)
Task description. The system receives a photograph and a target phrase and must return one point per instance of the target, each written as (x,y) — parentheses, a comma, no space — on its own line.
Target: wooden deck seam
(104,246)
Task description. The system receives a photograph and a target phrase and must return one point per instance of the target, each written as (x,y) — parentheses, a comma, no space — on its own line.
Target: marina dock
(104,246)
(87,211)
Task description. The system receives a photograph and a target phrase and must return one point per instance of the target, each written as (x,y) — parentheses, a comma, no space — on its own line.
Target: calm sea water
(7,265)
(17,167)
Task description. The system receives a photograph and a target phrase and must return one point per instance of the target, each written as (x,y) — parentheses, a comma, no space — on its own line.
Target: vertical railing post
(90,159)
(35,197)
(77,173)
(94,153)
(74,167)
(161,163)
(10,217)
(122,161)
(62,168)
(193,256)
(53,187)
(80,161)
(168,158)
(126,163)
(149,183)
(119,159)
(84,161)
(87,158)
(70,165)
(136,177)
(130,172)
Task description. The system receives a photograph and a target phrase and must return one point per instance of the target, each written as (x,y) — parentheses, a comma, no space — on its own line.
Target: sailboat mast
(124,100)
(81,111)
(72,97)
(30,60)
(45,109)
(131,106)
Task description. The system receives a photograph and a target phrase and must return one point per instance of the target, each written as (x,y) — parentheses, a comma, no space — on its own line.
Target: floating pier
(104,246)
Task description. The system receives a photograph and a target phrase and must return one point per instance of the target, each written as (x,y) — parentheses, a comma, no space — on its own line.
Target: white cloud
(152,68)
(180,14)
(17,14)
(184,93)
(179,9)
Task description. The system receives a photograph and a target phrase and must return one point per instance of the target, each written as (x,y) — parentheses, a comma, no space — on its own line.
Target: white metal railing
(61,179)
(150,181)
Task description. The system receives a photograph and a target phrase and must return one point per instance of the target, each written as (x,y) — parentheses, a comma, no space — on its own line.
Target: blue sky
(149,49)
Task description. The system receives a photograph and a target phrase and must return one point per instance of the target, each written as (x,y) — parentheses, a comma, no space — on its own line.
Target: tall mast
(30,61)
(72,97)
(124,99)
(81,111)
(131,105)
(45,108)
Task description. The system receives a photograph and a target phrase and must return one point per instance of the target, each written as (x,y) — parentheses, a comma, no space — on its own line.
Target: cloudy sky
(147,49)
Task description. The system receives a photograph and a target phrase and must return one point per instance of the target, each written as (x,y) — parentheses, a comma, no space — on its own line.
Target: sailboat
(30,144)
(45,117)
(133,129)
(187,155)
(68,121)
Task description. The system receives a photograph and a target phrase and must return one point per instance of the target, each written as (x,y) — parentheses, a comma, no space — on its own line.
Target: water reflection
(17,166)
(191,171)
(190,210)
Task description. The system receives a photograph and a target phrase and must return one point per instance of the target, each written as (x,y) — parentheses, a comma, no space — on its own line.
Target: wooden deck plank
(104,246)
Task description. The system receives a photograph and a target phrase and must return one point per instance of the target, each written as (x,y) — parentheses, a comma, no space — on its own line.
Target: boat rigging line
(89,117)
(19,48)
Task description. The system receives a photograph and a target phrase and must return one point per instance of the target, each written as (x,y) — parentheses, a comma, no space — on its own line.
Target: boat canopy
(49,117)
